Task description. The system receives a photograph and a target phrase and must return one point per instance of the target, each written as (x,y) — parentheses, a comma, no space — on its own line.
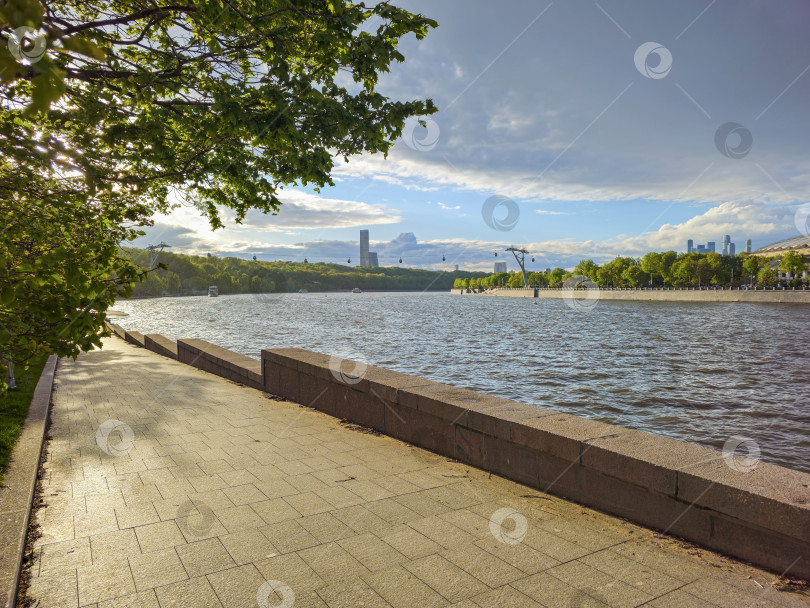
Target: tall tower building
(690,246)
(364,259)
(710,246)
(732,249)
(748,246)
(726,243)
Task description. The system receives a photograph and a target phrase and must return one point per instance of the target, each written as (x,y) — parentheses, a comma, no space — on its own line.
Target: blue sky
(599,120)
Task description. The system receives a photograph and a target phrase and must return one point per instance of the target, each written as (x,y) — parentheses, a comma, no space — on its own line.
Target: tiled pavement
(206,493)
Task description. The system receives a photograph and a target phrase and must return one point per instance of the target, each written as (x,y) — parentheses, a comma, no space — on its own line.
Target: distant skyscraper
(710,246)
(367,258)
(456,267)
(701,249)
(364,258)
(748,246)
(690,245)
(500,267)
(732,249)
(726,243)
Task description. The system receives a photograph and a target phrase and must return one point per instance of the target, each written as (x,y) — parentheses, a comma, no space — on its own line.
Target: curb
(17,494)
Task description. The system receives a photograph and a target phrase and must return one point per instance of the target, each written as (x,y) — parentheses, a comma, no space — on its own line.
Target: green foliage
(555,277)
(767,276)
(634,276)
(793,263)
(226,102)
(515,280)
(61,268)
(750,266)
(120,109)
(587,268)
(190,274)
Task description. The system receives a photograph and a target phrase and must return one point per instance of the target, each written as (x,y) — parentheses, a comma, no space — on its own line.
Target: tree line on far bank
(667,269)
(186,275)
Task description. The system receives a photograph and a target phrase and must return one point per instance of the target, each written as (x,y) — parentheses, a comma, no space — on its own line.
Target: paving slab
(170,486)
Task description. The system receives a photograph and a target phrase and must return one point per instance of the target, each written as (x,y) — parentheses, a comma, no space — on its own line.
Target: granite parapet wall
(160,345)
(754,511)
(220,361)
(134,337)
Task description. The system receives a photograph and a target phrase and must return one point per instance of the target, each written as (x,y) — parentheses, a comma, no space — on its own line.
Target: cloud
(547,212)
(448,208)
(302,211)
(178,237)
(739,219)
(552,107)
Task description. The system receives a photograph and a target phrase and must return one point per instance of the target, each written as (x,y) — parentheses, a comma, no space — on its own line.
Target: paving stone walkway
(166,486)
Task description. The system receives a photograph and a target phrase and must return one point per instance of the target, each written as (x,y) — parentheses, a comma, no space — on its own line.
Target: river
(700,372)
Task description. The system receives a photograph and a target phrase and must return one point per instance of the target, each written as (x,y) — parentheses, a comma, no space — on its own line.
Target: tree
(538,279)
(499,279)
(691,269)
(114,108)
(716,271)
(793,263)
(651,264)
(587,268)
(767,276)
(61,269)
(634,276)
(668,258)
(228,103)
(555,276)
(515,280)
(750,266)
(610,275)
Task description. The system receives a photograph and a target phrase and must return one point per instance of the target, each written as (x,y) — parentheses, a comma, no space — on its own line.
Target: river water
(701,372)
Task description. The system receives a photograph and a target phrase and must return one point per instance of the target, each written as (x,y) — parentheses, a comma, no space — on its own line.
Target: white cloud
(547,212)
(548,114)
(447,207)
(302,211)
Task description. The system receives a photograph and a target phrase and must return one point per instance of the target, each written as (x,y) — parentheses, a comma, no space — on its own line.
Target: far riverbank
(592,294)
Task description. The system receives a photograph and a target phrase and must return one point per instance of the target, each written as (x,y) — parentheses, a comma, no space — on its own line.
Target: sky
(572,129)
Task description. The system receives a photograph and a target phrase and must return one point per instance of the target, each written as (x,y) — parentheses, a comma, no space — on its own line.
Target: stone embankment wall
(755,511)
(656,295)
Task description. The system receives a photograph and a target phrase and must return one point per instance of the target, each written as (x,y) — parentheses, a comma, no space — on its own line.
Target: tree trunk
(10,373)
